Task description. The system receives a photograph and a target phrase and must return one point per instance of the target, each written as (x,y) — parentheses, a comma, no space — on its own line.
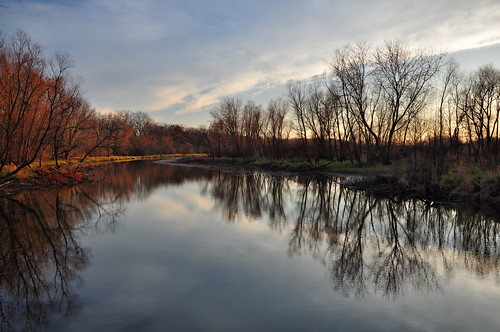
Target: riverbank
(343,168)
(463,183)
(69,172)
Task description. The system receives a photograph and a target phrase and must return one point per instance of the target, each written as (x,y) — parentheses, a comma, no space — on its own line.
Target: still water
(158,247)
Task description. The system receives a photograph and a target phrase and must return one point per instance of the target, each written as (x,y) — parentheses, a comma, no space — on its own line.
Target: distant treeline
(374,105)
(44,115)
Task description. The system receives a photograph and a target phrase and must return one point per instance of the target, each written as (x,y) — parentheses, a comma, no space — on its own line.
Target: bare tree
(25,118)
(106,130)
(228,116)
(447,79)
(403,77)
(140,121)
(352,67)
(64,100)
(251,128)
(297,98)
(275,130)
(480,100)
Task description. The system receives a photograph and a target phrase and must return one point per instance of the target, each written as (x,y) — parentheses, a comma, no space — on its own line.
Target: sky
(175,59)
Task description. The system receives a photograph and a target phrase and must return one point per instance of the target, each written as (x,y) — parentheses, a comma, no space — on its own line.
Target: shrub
(462,180)
(490,185)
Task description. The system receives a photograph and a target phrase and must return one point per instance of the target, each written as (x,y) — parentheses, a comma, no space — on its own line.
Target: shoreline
(380,185)
(49,177)
(250,165)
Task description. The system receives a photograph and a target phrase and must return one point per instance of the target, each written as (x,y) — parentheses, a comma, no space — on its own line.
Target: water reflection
(367,245)
(41,257)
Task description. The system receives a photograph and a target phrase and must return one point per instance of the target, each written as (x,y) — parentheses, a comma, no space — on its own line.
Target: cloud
(156,56)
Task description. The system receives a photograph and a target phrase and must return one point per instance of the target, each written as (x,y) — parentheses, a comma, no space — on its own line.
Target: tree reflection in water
(41,255)
(369,245)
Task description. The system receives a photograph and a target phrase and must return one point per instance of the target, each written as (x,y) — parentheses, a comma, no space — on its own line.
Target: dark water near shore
(157,247)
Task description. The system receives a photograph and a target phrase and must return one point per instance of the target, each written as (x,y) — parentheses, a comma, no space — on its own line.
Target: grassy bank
(322,166)
(289,165)
(462,183)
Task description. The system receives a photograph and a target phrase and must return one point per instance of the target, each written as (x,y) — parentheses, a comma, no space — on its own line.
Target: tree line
(374,105)
(44,114)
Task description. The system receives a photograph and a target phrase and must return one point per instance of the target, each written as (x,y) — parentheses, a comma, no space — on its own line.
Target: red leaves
(54,176)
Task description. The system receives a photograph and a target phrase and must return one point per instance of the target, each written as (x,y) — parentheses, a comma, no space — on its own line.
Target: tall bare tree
(353,68)
(403,77)
(251,128)
(275,128)
(297,99)
(228,116)
(25,118)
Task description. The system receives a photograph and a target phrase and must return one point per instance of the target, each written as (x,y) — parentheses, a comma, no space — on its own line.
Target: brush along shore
(462,183)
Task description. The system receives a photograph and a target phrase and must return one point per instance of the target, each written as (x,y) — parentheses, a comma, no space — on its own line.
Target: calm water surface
(157,247)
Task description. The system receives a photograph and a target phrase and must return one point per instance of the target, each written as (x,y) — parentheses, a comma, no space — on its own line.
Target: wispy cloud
(176,58)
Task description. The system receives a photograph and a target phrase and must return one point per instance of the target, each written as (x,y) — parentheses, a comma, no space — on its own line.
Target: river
(157,247)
